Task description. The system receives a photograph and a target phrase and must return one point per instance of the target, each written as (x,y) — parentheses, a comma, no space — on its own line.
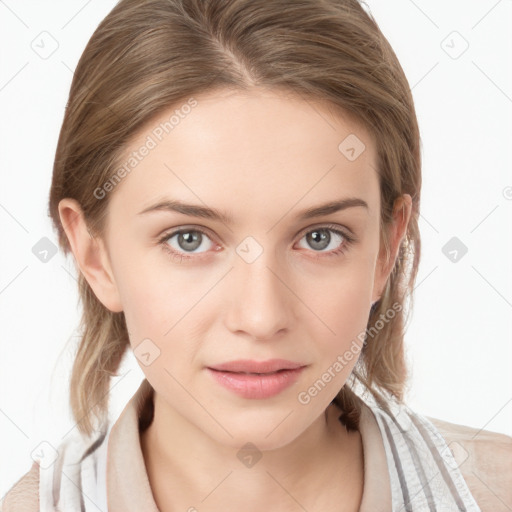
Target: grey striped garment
(423,473)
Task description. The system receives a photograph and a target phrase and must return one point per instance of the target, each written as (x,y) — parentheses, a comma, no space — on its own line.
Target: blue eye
(321,238)
(189,240)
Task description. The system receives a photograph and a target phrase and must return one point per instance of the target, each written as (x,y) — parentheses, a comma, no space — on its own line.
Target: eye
(325,237)
(188,240)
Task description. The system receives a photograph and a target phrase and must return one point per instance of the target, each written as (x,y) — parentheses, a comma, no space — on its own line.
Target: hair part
(149,55)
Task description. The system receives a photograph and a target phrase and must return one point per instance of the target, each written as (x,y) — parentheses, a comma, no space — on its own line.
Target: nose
(260,300)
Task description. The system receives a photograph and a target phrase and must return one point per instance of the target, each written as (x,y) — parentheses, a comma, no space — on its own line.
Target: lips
(256,367)
(256,379)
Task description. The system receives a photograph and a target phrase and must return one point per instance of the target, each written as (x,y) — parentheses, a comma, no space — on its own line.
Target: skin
(261,156)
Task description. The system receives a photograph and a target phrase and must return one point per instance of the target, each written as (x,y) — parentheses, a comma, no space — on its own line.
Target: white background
(458,340)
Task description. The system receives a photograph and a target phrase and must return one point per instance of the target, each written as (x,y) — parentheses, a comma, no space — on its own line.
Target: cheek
(342,301)
(151,295)
(161,309)
(152,309)
(338,338)
(158,331)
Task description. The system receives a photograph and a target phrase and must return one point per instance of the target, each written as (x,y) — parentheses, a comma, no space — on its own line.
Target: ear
(90,255)
(401,214)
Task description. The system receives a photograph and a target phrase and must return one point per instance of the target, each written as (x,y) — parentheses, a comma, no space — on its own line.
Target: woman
(279,140)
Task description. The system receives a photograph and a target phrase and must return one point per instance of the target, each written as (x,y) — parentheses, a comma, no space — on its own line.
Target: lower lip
(257,386)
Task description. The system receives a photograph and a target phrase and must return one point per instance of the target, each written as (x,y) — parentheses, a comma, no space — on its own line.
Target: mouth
(251,373)
(247,366)
(256,384)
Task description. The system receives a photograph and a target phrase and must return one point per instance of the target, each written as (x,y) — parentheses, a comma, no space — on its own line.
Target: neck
(187,468)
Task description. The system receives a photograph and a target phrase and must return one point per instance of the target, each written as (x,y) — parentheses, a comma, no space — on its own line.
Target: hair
(148,55)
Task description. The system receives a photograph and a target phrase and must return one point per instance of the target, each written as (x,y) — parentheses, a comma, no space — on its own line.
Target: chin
(258,440)
(266,431)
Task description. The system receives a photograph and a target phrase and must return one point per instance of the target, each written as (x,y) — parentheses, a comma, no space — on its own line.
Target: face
(262,279)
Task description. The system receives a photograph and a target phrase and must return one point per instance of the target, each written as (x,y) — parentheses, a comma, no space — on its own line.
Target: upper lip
(251,366)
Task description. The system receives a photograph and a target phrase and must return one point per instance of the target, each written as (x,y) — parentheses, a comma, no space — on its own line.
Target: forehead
(263,145)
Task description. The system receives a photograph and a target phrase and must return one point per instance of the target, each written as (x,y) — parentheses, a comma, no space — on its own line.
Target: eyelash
(347,242)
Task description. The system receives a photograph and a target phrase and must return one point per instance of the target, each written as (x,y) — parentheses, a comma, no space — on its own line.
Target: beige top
(117,474)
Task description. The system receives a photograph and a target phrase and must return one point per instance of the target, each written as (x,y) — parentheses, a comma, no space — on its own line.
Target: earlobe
(401,214)
(90,255)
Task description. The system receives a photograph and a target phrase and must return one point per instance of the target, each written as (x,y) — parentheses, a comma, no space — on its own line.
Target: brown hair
(148,55)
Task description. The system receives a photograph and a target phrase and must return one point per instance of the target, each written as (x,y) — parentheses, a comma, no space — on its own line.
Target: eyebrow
(194,210)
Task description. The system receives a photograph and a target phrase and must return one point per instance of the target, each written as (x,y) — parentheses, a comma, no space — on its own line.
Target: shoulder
(23,496)
(485,461)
